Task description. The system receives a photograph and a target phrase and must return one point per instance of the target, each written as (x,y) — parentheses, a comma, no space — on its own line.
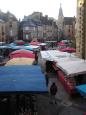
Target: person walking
(53,91)
(36,57)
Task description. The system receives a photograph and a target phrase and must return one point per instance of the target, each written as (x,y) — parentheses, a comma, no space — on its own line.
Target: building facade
(81,29)
(11,29)
(8,27)
(2,31)
(43,28)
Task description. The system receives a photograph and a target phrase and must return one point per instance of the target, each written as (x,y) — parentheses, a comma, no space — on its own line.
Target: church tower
(60,23)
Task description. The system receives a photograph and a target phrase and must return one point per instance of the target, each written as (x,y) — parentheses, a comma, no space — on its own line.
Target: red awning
(68,49)
(61,44)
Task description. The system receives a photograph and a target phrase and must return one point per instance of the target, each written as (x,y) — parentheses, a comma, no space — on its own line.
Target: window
(10,24)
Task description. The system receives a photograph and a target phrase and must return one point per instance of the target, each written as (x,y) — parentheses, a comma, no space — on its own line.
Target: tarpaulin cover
(82,89)
(22,79)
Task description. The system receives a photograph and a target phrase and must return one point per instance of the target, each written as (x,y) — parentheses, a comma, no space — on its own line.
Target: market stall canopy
(34,43)
(68,49)
(61,44)
(51,41)
(67,59)
(42,44)
(26,44)
(4,47)
(20,61)
(14,47)
(53,55)
(22,53)
(19,42)
(22,79)
(81,89)
(72,68)
(31,47)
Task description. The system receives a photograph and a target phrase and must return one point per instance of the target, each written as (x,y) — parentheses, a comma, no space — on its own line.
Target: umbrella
(68,49)
(20,61)
(34,43)
(22,53)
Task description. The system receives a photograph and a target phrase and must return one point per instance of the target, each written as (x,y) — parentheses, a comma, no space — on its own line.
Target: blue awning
(22,79)
(81,89)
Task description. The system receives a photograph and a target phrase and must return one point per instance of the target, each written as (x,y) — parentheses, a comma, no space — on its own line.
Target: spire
(60,11)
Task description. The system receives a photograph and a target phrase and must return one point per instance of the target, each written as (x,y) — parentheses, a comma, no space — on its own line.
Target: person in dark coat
(36,57)
(53,91)
(48,70)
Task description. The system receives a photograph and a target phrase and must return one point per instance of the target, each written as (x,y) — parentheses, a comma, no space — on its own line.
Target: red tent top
(22,56)
(19,42)
(22,53)
(34,43)
(61,44)
(68,49)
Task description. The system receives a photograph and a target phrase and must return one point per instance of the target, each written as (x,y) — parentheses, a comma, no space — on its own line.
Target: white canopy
(54,55)
(70,64)
(72,68)
(42,44)
(67,59)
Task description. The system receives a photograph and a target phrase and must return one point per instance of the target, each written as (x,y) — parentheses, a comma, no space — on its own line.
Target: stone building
(43,27)
(2,31)
(9,27)
(66,26)
(81,29)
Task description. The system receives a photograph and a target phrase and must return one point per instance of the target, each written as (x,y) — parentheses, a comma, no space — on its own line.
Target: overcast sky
(48,7)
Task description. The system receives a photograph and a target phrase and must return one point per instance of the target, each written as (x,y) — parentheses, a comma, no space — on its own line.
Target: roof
(69,20)
(60,12)
(28,23)
(7,16)
(2,21)
(22,79)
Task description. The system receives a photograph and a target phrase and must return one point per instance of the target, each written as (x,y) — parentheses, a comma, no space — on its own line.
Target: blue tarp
(22,79)
(81,89)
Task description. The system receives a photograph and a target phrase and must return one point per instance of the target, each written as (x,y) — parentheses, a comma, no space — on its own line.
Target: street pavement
(66,105)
